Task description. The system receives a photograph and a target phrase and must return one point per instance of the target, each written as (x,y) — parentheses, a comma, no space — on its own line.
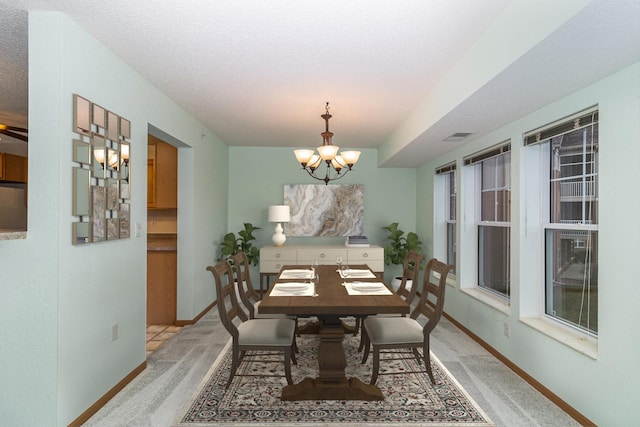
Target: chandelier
(336,165)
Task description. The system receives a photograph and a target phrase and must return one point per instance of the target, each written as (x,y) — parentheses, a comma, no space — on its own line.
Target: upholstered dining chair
(250,335)
(248,294)
(394,334)
(410,274)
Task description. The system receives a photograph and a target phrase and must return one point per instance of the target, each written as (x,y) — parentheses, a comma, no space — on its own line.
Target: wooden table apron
(332,303)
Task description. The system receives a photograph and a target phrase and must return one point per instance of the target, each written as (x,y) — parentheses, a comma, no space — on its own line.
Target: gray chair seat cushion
(267,332)
(393,330)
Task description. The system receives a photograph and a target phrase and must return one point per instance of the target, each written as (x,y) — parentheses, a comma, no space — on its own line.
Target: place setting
(293,289)
(296,273)
(367,288)
(306,288)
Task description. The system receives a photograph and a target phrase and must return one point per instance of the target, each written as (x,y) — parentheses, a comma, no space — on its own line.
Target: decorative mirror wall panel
(101,174)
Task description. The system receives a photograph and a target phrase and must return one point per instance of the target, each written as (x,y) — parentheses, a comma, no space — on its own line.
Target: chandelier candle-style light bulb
(327,154)
(279,214)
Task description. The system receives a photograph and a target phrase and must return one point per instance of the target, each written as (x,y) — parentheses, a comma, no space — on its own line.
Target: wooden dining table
(331,305)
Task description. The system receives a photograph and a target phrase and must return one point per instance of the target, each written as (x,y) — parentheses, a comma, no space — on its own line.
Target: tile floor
(158,335)
(159,394)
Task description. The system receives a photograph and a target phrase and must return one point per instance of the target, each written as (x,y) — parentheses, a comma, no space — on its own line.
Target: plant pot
(397,280)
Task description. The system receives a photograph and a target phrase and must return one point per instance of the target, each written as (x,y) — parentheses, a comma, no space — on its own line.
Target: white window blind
(496,150)
(449,167)
(565,125)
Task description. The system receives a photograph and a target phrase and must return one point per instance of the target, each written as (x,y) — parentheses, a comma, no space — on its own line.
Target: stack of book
(357,242)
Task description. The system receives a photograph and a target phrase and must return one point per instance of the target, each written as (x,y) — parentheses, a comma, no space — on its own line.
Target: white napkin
(292,289)
(296,274)
(367,288)
(360,274)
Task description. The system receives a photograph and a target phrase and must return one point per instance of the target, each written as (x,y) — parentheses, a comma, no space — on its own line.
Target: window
(448,172)
(569,155)
(493,216)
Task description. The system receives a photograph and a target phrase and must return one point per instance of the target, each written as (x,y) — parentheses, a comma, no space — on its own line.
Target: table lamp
(279,214)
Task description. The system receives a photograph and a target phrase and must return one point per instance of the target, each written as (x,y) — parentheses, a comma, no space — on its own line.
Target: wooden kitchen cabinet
(162,175)
(162,267)
(13,168)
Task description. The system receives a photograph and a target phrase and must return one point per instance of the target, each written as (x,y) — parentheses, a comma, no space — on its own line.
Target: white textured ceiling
(259,72)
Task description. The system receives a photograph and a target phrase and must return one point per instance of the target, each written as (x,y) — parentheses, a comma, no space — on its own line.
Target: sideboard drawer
(273,266)
(277,254)
(322,255)
(364,254)
(372,256)
(272,258)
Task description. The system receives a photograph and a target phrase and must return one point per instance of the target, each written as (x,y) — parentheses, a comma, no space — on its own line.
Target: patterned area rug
(410,399)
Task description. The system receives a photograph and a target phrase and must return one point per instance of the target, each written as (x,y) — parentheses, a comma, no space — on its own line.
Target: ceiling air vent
(458,136)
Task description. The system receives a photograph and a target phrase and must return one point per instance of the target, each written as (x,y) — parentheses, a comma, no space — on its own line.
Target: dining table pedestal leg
(331,383)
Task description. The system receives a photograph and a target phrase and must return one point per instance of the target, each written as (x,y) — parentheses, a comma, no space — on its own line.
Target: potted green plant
(243,242)
(398,247)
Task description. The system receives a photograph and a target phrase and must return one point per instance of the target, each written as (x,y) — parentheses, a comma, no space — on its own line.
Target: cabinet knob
(364,255)
(278,266)
(322,256)
(278,255)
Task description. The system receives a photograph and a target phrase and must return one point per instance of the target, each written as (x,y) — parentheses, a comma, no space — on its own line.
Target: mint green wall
(604,389)
(60,301)
(257,177)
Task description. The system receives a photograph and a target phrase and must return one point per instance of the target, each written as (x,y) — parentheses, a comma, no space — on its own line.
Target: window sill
(452,280)
(576,340)
(492,301)
(12,235)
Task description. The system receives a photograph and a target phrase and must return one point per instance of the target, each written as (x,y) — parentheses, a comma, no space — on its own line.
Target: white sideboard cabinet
(272,258)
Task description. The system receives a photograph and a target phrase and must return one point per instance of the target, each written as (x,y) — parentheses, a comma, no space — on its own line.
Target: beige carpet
(410,399)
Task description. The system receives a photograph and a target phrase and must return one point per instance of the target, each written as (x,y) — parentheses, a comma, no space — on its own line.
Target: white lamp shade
(279,213)
(315,161)
(350,157)
(337,163)
(303,156)
(328,152)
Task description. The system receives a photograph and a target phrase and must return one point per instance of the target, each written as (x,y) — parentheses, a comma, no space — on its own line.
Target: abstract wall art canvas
(325,210)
